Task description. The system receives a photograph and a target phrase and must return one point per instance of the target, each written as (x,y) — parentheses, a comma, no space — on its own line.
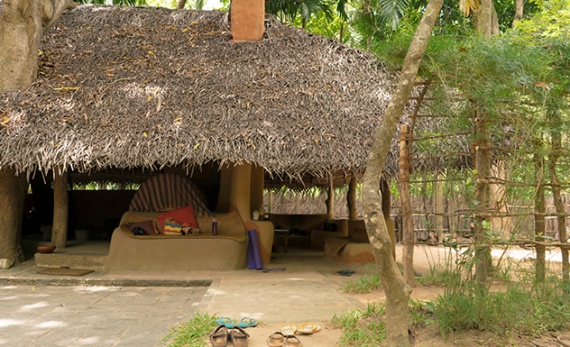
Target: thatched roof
(123,87)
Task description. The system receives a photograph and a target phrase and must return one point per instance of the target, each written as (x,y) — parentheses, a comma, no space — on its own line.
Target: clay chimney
(247,20)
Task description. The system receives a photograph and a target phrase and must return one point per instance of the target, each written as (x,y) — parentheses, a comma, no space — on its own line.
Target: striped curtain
(167,191)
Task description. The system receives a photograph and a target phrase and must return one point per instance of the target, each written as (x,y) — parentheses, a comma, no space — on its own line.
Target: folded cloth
(171,227)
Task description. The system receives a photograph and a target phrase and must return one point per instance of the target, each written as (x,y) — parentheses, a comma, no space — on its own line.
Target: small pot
(46,249)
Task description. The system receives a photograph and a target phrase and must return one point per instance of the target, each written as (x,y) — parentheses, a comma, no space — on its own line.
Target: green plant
(362,328)
(364,284)
(520,309)
(192,333)
(440,275)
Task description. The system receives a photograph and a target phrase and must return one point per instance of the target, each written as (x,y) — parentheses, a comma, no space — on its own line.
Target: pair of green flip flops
(243,323)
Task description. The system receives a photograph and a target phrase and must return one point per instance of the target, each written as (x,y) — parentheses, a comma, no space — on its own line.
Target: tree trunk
(12,197)
(519,10)
(408,238)
(181,4)
(22,24)
(539,212)
(485,19)
(396,290)
(60,209)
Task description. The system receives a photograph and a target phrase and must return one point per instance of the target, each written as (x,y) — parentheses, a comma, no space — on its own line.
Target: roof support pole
(235,190)
(351,198)
(12,197)
(330,199)
(60,208)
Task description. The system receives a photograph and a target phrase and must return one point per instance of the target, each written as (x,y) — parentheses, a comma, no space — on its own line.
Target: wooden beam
(60,209)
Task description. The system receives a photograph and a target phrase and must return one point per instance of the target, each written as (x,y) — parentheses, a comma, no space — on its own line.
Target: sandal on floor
(219,338)
(292,341)
(247,322)
(289,329)
(238,337)
(277,339)
(308,328)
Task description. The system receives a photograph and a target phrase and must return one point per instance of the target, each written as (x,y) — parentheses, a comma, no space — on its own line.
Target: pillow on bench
(183,216)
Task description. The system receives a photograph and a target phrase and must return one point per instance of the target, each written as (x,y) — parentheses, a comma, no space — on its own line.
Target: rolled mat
(253,255)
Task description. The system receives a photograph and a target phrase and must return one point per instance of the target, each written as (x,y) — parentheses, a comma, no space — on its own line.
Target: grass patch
(521,309)
(364,284)
(441,275)
(362,328)
(193,332)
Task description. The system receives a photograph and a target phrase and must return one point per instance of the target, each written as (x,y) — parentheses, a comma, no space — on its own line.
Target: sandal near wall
(219,338)
(238,337)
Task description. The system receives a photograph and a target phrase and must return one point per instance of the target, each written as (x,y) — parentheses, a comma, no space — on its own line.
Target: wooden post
(330,199)
(60,209)
(351,198)
(438,207)
(408,237)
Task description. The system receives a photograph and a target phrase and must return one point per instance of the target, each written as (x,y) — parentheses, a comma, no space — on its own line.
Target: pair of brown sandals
(236,336)
(278,339)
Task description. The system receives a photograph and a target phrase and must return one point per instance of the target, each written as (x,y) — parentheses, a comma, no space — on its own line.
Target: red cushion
(184,216)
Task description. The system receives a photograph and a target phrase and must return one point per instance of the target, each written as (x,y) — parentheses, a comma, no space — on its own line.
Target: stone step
(75,261)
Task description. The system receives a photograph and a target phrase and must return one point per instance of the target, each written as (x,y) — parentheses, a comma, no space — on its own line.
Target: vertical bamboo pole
(539,212)
(407,221)
(482,164)
(60,208)
(558,203)
(438,207)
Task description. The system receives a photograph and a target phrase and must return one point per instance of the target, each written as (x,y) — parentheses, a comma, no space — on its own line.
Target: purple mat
(253,255)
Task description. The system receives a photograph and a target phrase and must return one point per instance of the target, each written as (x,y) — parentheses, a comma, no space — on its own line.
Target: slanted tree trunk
(22,24)
(12,197)
(396,290)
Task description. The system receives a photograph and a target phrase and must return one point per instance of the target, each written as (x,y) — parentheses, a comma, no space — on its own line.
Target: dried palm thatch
(124,87)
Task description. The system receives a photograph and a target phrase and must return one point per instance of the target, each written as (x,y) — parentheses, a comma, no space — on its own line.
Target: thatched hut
(151,88)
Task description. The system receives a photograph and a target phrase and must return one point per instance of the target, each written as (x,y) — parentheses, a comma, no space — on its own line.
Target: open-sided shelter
(152,88)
